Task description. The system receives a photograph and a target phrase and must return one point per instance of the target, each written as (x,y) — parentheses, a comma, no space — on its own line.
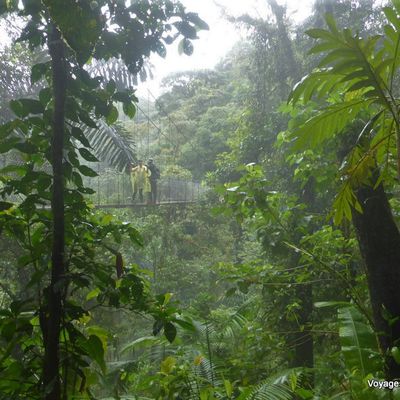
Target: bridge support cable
(113,189)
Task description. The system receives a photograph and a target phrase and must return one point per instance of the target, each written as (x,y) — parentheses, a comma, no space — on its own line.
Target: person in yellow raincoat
(140,181)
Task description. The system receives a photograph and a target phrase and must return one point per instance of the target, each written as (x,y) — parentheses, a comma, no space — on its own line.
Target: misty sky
(212,45)
(215,43)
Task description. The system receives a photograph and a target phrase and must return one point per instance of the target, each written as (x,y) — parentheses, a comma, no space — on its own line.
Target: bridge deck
(134,205)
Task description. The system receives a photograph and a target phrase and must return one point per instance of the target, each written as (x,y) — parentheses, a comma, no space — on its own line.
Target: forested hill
(279,280)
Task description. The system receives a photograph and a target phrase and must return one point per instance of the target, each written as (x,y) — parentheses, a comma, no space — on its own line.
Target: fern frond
(330,121)
(269,391)
(344,202)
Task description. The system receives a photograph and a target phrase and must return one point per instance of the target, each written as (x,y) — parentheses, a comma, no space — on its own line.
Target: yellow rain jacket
(140,179)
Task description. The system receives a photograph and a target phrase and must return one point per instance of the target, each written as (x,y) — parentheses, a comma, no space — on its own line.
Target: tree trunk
(53,314)
(303,340)
(379,241)
(289,67)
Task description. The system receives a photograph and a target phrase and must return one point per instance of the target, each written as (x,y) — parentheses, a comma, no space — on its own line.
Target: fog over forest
(199,200)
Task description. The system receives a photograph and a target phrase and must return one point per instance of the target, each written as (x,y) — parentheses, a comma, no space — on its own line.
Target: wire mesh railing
(114,189)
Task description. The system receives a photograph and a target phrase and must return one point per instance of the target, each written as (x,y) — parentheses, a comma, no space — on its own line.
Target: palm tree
(110,143)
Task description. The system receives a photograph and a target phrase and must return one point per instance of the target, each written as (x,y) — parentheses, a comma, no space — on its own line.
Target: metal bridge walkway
(113,189)
(135,205)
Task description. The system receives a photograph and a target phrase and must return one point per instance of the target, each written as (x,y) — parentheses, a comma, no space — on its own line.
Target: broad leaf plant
(66,248)
(357,78)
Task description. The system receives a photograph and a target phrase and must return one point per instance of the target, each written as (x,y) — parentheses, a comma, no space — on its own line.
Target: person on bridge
(154,176)
(140,181)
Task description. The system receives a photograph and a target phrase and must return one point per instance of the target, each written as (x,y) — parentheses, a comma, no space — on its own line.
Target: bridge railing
(115,188)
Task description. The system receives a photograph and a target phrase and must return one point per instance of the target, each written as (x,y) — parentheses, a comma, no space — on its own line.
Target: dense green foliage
(68,249)
(277,284)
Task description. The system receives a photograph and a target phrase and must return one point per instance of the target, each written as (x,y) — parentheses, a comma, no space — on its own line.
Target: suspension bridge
(157,136)
(113,189)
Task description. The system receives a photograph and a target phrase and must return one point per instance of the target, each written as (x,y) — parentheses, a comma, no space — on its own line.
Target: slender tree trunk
(54,309)
(379,241)
(303,340)
(237,245)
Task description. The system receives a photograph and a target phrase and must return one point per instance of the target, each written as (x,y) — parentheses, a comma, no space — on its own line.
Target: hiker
(140,180)
(154,176)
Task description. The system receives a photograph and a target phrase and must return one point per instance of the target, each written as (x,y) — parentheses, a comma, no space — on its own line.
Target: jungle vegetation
(281,282)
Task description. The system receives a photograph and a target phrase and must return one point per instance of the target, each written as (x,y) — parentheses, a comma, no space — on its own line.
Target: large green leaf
(349,63)
(93,346)
(327,123)
(359,343)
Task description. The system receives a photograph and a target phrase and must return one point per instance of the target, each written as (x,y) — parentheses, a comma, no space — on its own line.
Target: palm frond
(111,144)
(320,83)
(204,374)
(357,68)
(116,70)
(268,391)
(280,386)
(350,61)
(15,78)
(231,328)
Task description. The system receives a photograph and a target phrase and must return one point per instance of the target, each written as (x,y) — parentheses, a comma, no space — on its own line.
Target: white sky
(212,45)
